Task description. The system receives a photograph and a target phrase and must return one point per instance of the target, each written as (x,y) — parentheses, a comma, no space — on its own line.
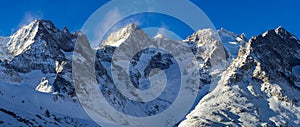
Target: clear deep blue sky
(251,17)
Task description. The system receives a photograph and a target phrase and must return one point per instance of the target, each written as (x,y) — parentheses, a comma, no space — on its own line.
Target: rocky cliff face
(258,89)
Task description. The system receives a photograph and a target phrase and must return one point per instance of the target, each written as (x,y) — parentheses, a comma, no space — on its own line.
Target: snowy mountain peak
(281,32)
(118,37)
(200,36)
(42,49)
(47,24)
(280,44)
(284,33)
(23,38)
(280,28)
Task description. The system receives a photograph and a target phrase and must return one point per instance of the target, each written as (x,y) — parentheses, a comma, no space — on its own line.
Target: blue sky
(251,17)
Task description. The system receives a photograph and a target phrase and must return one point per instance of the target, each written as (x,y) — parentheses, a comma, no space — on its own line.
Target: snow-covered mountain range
(243,82)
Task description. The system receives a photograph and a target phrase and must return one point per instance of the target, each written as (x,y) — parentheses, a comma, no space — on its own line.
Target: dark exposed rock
(278,52)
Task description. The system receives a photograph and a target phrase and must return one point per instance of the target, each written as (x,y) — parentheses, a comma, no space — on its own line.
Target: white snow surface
(29,104)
